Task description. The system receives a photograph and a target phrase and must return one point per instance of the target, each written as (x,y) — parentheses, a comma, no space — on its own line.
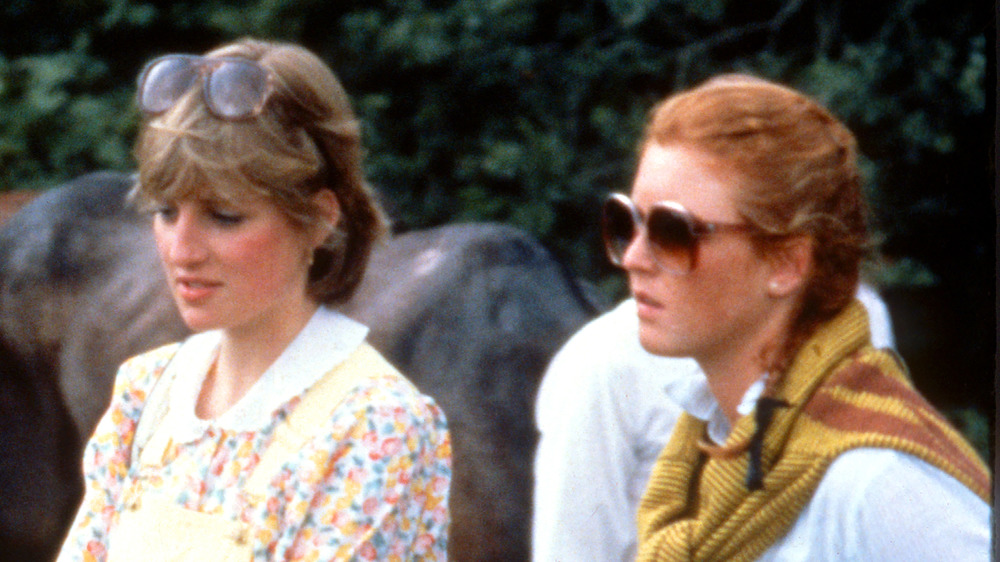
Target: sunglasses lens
(236,89)
(164,82)
(617,228)
(672,239)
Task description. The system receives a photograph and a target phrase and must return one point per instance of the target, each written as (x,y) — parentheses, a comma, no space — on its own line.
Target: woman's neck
(245,354)
(732,370)
(730,383)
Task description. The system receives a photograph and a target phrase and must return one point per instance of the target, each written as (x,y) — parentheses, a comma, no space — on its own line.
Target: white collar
(325,341)
(751,396)
(692,394)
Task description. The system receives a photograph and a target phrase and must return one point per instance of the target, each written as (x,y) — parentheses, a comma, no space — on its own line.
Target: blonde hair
(803,178)
(306,139)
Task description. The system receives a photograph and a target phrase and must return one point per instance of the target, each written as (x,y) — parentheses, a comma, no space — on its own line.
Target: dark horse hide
(470,313)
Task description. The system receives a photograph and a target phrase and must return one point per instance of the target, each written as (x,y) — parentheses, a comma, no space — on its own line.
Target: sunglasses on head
(234,88)
(672,232)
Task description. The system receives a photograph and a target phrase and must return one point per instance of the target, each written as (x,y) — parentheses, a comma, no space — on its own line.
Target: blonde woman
(275,432)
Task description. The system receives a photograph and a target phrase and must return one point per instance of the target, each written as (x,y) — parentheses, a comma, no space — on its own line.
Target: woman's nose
(182,240)
(637,255)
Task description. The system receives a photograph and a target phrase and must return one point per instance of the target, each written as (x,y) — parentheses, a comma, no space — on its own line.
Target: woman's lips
(193,289)
(646,307)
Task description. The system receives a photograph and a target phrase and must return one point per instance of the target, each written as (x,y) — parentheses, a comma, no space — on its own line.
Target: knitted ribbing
(842,394)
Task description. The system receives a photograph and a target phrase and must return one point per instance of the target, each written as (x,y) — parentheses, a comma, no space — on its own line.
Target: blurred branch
(732,35)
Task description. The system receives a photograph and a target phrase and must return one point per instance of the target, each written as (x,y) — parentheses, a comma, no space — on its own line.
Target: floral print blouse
(371,485)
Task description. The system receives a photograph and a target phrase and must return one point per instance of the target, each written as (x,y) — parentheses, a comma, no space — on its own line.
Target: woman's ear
(791,263)
(328,205)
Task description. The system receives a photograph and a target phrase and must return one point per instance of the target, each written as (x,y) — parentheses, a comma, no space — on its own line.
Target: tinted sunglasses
(672,232)
(234,88)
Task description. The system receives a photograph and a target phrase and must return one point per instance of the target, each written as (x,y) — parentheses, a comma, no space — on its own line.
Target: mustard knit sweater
(841,394)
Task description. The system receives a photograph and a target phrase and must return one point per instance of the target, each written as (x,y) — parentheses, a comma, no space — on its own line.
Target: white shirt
(606,408)
(881,504)
(604,416)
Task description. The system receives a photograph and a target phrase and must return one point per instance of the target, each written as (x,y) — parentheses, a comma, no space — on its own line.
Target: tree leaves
(528,111)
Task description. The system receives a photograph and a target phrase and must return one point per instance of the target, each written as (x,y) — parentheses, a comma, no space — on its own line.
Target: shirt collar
(691,393)
(326,340)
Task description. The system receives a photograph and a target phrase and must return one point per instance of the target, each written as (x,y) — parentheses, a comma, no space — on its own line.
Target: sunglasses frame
(205,68)
(695,228)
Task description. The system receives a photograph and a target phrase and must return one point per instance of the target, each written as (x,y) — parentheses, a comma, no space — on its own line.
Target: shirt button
(240,537)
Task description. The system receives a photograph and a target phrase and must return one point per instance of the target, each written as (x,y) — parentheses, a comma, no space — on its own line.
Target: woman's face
(720,306)
(235,267)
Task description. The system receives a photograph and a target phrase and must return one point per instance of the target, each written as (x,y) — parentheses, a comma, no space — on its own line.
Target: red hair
(802,176)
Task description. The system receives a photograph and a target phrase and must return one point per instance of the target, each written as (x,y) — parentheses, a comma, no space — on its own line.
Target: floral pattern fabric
(372,485)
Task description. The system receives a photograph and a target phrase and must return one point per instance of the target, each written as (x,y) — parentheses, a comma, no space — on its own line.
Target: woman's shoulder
(866,473)
(133,383)
(382,410)
(392,390)
(378,391)
(875,501)
(139,372)
(875,472)
(155,358)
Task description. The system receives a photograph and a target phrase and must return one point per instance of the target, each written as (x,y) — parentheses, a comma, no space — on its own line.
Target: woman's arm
(377,490)
(106,458)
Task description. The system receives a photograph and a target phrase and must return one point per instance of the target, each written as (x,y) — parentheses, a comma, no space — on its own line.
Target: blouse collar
(326,340)
(693,395)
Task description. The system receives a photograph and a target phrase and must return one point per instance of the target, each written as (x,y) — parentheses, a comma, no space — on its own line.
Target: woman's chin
(659,344)
(199,323)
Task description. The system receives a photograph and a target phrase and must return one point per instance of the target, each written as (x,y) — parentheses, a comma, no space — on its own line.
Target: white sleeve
(581,463)
(603,416)
(882,504)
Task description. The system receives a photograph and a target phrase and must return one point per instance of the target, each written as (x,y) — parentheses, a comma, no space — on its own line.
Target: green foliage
(975,427)
(528,111)
(52,125)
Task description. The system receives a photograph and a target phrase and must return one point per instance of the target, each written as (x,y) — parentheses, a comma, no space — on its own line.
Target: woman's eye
(227,218)
(165,213)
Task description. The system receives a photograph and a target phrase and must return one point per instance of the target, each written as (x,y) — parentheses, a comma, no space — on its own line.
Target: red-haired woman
(742,240)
